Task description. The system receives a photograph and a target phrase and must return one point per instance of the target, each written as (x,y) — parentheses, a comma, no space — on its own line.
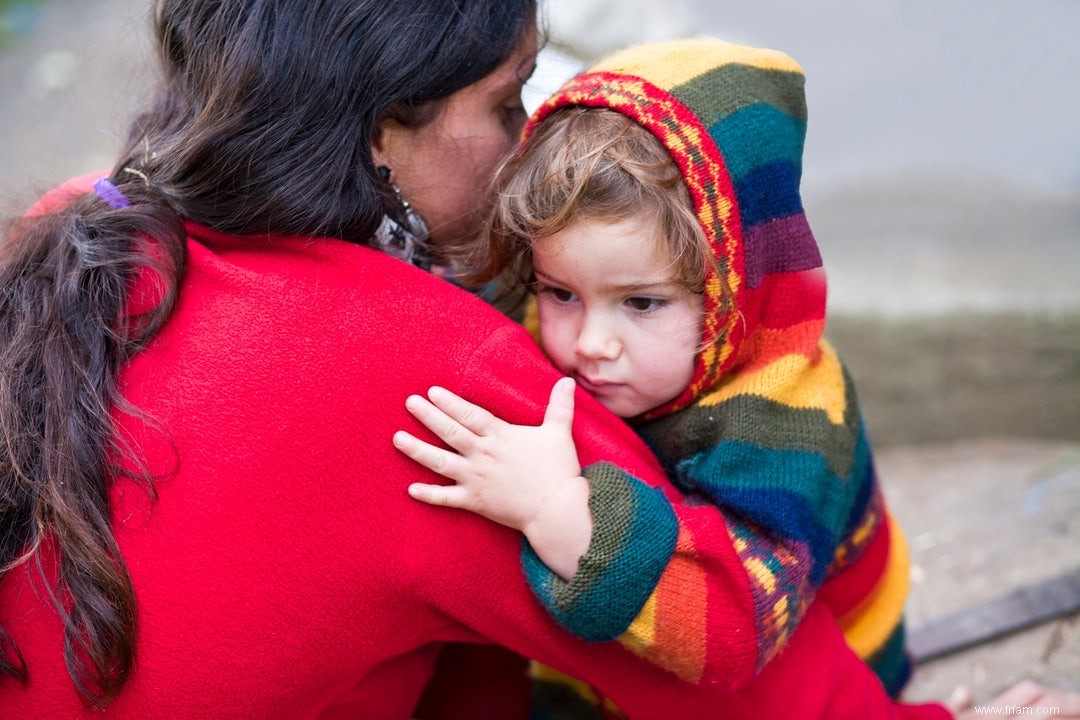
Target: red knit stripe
(786,299)
(770,344)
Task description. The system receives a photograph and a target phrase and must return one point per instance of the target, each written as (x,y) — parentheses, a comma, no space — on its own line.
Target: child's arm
(797,492)
(524,477)
(529,479)
(788,515)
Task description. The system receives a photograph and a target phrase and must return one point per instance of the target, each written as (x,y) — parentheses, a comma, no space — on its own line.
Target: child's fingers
(472,417)
(453,496)
(445,463)
(449,430)
(560,409)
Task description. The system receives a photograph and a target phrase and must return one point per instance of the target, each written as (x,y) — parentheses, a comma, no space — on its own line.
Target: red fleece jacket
(283,571)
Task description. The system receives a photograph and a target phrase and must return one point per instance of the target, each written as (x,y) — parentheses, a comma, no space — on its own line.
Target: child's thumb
(560,409)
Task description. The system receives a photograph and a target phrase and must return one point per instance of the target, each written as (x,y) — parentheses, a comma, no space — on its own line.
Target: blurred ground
(943,182)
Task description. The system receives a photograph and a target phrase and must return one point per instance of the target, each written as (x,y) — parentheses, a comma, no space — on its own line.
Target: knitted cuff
(633,538)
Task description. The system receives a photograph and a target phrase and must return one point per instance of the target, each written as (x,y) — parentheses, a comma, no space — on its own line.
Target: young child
(653,207)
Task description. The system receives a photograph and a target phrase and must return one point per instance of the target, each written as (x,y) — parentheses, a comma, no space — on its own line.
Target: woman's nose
(597,340)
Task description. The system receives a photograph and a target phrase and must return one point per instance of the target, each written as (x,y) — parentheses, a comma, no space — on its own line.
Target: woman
(203,360)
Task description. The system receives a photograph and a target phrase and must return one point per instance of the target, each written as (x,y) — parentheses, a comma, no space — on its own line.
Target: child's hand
(525,477)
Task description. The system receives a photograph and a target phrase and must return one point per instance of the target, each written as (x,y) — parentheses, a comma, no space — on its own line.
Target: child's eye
(559,294)
(646,304)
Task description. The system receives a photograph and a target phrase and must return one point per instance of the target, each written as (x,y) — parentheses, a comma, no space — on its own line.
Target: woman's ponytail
(65,330)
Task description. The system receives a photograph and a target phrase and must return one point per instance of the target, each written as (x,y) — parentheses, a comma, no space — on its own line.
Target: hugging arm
(814,678)
(619,584)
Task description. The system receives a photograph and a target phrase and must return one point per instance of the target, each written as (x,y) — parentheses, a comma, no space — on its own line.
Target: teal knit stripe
(790,494)
(718,93)
(757,420)
(634,534)
(757,135)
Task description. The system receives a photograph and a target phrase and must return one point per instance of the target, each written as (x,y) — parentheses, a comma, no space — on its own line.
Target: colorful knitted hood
(734,119)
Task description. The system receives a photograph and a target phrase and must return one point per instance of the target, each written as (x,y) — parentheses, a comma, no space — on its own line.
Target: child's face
(613,316)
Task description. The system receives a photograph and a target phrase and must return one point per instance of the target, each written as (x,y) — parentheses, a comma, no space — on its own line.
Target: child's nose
(597,341)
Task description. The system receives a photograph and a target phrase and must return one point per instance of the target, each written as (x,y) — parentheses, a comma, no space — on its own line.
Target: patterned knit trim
(870,625)
(864,530)
(781,592)
(711,190)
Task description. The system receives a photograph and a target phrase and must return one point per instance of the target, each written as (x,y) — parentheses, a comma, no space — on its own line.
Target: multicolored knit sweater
(769,429)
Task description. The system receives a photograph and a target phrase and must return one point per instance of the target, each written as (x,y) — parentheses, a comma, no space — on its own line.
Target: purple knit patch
(782,245)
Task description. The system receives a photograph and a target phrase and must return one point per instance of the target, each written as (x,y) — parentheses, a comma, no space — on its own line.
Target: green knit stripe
(891,663)
(756,420)
(718,93)
(557,701)
(634,533)
(758,136)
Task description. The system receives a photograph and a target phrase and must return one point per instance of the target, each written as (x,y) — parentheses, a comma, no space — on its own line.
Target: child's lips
(596,386)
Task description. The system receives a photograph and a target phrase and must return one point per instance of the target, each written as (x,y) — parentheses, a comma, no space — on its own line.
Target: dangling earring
(404,241)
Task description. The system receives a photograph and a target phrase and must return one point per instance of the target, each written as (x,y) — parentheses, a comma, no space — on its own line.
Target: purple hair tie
(111,194)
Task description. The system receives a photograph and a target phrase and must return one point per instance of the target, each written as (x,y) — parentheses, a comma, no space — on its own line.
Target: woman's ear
(384,142)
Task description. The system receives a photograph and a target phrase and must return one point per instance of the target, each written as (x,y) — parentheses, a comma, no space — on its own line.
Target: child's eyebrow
(547,279)
(640,287)
(615,287)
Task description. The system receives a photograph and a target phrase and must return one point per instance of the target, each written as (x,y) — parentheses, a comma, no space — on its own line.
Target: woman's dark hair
(263,123)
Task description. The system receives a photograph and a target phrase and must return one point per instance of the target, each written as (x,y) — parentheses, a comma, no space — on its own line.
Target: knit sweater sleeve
(797,495)
(641,529)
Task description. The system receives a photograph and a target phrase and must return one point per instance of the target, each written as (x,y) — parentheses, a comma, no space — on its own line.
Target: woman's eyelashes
(512,111)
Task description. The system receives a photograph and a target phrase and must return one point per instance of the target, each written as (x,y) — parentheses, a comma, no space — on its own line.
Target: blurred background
(942,180)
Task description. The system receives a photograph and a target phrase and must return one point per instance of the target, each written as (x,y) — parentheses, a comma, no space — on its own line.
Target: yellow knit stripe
(765,577)
(792,380)
(671,629)
(531,321)
(670,64)
(642,631)
(867,627)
